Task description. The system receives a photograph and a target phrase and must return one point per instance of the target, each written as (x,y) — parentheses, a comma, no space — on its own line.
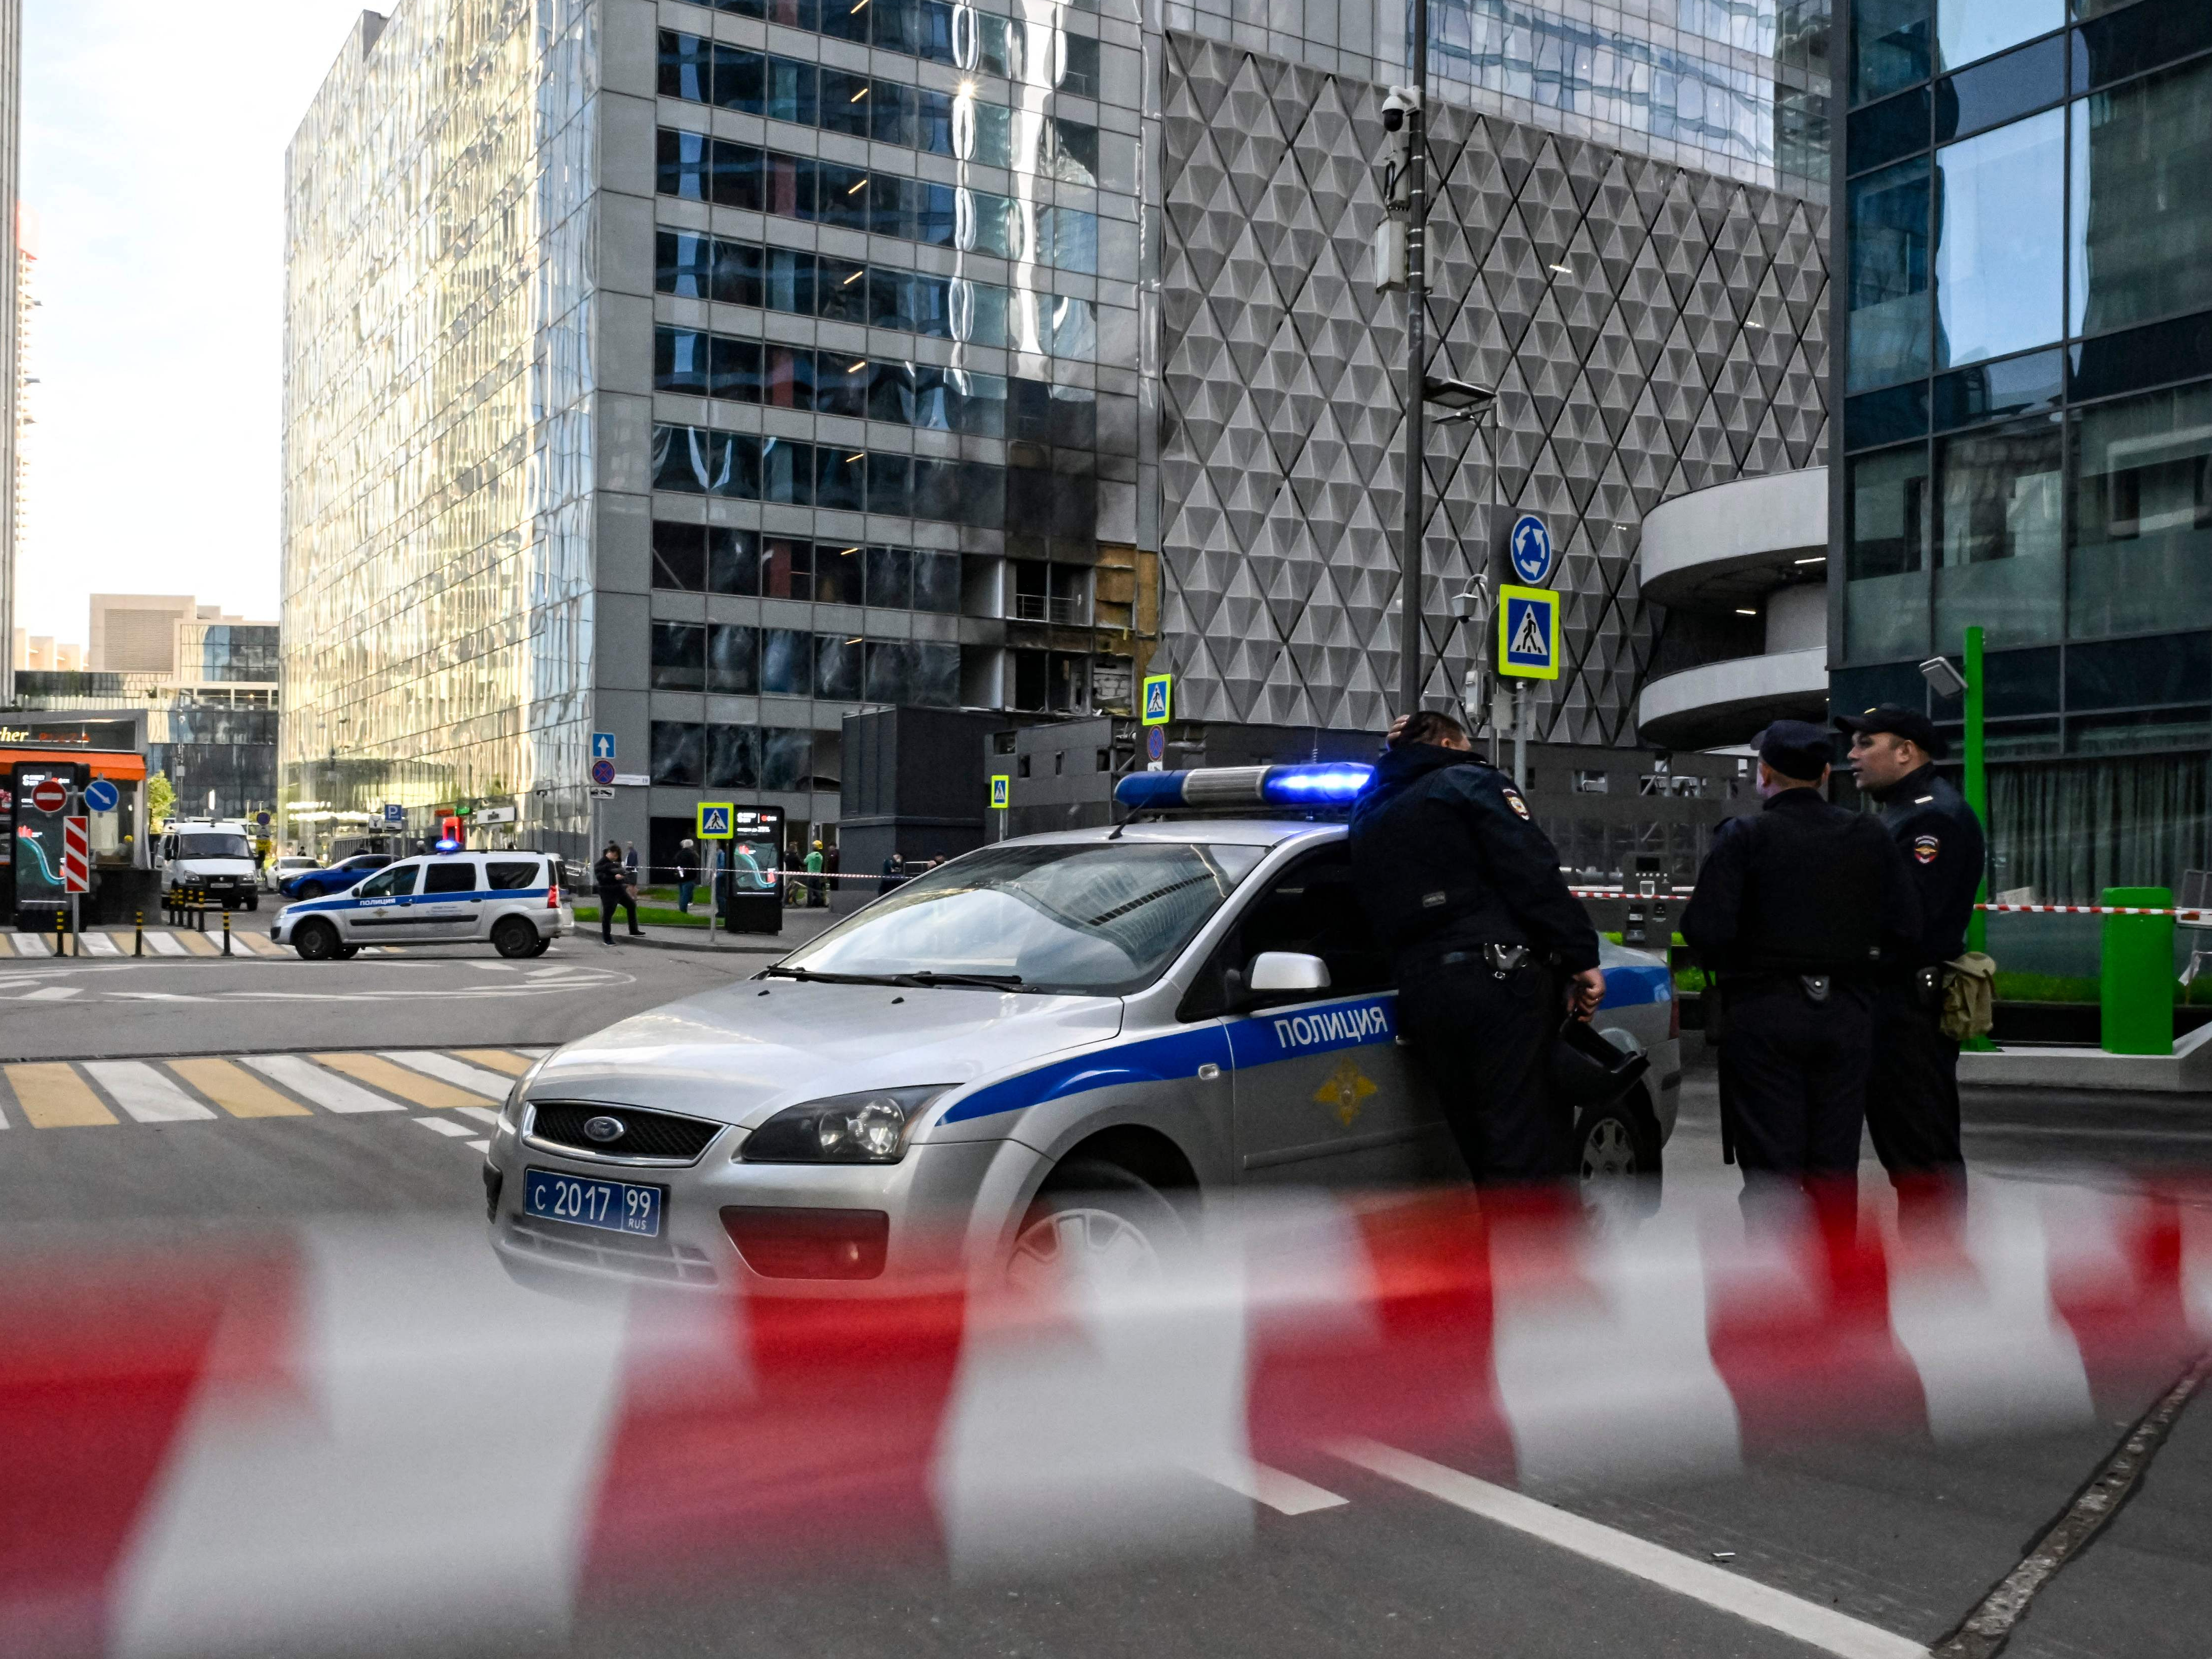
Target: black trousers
(608,902)
(1912,1095)
(1485,1045)
(1794,1082)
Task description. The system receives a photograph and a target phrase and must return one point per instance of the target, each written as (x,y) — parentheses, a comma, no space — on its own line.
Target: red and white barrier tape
(359,1429)
(2089,910)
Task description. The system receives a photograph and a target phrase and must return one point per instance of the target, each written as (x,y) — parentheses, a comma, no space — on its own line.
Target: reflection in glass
(734,660)
(837,667)
(679,752)
(890,578)
(733,758)
(1889,47)
(786,662)
(787,759)
(2000,265)
(2141,241)
(1885,598)
(679,657)
(2001,391)
(2000,494)
(1967,30)
(733,561)
(937,584)
(2142,514)
(1889,275)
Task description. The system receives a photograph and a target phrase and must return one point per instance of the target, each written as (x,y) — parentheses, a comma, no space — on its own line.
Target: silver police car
(1045,1049)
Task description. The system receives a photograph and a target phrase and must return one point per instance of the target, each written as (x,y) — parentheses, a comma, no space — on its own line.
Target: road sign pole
(1520,736)
(1978,783)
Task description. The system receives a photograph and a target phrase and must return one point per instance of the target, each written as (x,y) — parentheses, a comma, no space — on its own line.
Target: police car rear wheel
(316,941)
(1616,1144)
(1094,1222)
(513,937)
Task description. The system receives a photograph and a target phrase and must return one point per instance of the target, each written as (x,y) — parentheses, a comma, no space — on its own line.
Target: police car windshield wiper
(988,981)
(834,979)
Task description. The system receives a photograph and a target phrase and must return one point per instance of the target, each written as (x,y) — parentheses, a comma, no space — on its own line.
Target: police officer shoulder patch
(1925,847)
(1513,800)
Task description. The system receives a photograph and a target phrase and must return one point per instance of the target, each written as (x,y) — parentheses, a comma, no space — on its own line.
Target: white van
(215,856)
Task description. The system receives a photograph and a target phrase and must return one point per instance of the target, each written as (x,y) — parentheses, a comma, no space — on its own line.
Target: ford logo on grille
(603,1130)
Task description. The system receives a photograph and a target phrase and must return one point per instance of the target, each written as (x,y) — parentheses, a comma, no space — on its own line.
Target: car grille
(645,1134)
(582,1247)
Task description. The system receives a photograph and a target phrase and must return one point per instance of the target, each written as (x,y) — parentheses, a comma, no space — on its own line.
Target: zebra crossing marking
(145,1092)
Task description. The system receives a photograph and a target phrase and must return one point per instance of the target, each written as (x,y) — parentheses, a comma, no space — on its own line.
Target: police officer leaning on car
(1466,891)
(1794,909)
(1912,1096)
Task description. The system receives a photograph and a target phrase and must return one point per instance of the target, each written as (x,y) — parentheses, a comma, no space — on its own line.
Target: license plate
(614,1206)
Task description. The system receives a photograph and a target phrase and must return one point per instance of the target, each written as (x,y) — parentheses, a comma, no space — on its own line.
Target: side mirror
(1281,973)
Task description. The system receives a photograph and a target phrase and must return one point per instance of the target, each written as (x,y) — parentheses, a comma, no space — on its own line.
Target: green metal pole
(1978,781)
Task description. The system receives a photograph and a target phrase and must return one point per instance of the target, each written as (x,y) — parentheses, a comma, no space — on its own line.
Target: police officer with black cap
(1912,1096)
(1491,950)
(1794,909)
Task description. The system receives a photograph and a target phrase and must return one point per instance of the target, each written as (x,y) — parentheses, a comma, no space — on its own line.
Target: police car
(1048,1047)
(511,899)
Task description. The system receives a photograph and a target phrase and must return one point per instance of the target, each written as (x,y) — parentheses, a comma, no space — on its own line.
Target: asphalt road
(1903,1537)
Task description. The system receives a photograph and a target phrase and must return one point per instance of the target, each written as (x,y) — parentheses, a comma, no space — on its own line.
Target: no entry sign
(50,795)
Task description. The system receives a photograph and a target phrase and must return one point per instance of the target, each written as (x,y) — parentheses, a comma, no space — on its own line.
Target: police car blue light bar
(1327,783)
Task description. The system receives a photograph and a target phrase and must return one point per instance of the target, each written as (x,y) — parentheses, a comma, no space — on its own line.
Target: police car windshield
(1085,919)
(213,847)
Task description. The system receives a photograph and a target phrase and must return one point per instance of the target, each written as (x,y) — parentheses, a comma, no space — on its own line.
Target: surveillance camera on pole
(1398,103)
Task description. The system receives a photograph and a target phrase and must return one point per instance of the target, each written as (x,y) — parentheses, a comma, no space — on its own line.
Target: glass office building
(2027,375)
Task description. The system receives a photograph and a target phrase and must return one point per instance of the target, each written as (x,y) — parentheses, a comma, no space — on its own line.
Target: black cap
(1908,723)
(1796,749)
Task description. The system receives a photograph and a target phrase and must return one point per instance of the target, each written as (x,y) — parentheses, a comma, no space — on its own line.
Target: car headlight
(510,1115)
(872,1127)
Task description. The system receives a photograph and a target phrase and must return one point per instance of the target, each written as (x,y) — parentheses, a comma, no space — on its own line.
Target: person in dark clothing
(1794,910)
(1912,1096)
(615,882)
(1491,949)
(896,874)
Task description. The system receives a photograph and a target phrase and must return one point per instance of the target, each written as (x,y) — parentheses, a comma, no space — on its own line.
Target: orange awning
(123,765)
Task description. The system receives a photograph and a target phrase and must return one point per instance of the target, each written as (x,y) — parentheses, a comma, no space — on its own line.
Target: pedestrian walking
(1794,910)
(617,883)
(687,873)
(1493,952)
(629,862)
(1913,1090)
(817,890)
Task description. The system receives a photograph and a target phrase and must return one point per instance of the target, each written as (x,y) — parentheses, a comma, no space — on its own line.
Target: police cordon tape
(355,1435)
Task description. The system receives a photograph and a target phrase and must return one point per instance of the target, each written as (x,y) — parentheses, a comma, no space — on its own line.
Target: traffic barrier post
(61,934)
(138,933)
(226,930)
(2135,974)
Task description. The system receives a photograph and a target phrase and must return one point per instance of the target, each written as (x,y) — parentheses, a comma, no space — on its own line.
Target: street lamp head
(1460,397)
(1943,679)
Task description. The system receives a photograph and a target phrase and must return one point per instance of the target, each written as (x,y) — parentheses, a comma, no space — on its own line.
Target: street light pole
(1417,352)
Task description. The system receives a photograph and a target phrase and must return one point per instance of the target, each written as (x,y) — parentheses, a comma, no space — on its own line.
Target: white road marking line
(327,1089)
(527,1054)
(51,993)
(32,944)
(459,1072)
(494,968)
(1700,1580)
(440,1125)
(146,1094)
(157,996)
(483,1114)
(165,945)
(1284,1493)
(98,944)
(479,1146)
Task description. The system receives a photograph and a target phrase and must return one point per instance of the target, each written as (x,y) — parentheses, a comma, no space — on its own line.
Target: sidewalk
(798,927)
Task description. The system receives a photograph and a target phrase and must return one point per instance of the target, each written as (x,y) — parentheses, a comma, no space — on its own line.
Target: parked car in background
(325,879)
(277,871)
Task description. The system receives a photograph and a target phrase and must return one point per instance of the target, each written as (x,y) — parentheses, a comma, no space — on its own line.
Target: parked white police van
(1046,1046)
(513,900)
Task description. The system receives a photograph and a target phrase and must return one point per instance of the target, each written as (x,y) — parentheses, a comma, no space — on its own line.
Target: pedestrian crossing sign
(1001,787)
(1158,697)
(1528,633)
(714,820)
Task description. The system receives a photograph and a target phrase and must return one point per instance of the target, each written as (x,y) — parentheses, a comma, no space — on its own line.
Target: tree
(160,799)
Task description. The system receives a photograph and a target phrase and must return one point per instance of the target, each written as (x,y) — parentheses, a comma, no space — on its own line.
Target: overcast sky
(154,140)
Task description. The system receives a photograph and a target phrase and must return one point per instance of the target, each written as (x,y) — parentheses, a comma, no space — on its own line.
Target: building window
(786,662)
(1890,47)
(1970,30)
(1998,500)
(734,660)
(2000,255)
(787,760)
(2140,240)
(2142,514)
(1886,595)
(1889,270)
(679,657)
(679,752)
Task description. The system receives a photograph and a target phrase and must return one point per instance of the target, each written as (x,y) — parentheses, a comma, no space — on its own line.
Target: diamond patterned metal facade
(1651,330)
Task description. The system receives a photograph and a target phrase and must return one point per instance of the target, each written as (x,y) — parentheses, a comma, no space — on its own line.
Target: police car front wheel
(1096,1222)
(315,940)
(1615,1142)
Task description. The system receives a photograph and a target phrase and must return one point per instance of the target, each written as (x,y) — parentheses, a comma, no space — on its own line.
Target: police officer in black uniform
(1794,909)
(1466,891)
(1912,1096)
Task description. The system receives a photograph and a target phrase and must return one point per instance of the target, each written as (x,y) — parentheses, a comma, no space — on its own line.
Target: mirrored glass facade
(2028,337)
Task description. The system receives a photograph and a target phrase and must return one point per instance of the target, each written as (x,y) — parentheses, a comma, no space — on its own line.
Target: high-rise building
(15,306)
(698,374)
(2026,410)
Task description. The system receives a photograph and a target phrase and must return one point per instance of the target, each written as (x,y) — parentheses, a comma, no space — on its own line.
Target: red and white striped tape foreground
(359,1431)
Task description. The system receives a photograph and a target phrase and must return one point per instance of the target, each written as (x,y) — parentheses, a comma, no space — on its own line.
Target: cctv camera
(1395,104)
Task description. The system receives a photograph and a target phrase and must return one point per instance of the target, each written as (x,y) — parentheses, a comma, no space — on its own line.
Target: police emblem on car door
(1325,1095)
